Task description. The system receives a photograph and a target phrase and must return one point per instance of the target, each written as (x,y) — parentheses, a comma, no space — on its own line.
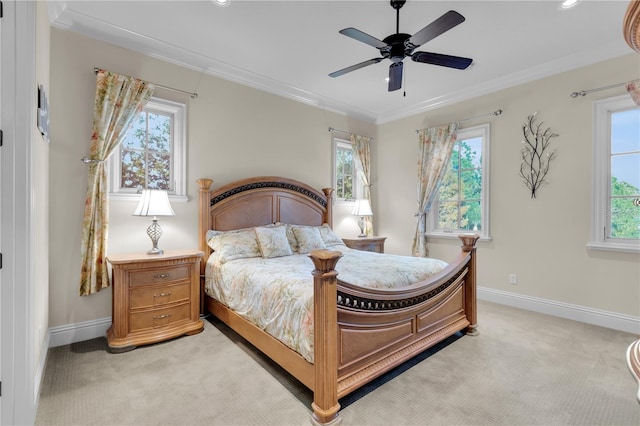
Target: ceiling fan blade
(363,37)
(437,27)
(355,67)
(457,62)
(395,76)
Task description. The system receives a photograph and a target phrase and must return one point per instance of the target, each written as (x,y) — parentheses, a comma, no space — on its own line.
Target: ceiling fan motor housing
(397,48)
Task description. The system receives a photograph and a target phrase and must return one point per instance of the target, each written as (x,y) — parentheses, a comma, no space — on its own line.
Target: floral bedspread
(277,294)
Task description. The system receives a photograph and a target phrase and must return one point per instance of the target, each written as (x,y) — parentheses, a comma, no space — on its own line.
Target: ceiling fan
(398,46)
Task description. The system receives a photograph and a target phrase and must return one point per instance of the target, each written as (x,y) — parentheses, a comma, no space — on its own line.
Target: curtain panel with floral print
(362,149)
(435,146)
(118,102)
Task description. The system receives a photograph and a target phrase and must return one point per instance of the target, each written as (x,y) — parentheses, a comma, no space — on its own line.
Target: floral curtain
(361,146)
(633,87)
(435,145)
(119,100)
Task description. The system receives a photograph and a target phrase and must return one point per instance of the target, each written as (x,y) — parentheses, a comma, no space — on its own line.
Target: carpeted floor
(523,369)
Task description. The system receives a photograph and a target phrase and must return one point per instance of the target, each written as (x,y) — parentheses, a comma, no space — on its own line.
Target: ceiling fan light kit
(398,46)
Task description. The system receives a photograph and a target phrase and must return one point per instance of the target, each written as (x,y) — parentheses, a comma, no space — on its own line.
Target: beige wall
(41,196)
(542,240)
(234,132)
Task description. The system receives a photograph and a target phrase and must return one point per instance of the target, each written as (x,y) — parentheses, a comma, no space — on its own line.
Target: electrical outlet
(513,279)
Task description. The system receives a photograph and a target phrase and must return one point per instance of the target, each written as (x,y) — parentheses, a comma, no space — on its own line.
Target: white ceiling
(289,47)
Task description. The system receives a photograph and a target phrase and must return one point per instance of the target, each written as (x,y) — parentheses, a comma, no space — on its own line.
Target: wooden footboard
(359,333)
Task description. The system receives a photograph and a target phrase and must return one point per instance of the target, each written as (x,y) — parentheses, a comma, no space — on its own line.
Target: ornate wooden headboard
(260,201)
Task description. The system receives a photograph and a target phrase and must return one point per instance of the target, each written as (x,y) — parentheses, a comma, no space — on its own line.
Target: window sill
(173,198)
(454,235)
(619,247)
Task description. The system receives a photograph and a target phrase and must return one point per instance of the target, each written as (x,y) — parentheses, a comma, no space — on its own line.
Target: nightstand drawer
(158,318)
(160,275)
(144,297)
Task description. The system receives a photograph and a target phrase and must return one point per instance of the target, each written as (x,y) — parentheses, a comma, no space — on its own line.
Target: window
(462,202)
(616,175)
(152,154)
(346,181)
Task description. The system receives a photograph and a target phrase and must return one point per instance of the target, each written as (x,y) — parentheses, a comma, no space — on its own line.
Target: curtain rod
(585,92)
(496,113)
(191,94)
(331,129)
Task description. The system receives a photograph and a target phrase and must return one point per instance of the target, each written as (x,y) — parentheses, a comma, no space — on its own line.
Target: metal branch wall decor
(536,155)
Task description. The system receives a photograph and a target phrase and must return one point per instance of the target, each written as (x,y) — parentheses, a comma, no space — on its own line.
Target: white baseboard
(584,314)
(73,333)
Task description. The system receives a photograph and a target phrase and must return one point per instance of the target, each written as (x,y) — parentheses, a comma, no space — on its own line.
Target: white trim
(42,364)
(78,332)
(18,37)
(601,177)
(178,112)
(627,323)
(107,32)
(483,131)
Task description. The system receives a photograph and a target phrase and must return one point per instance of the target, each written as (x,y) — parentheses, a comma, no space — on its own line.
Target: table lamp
(362,209)
(154,203)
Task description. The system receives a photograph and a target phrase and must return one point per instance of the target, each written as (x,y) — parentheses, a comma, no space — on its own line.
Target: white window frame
(483,131)
(601,181)
(357,181)
(178,111)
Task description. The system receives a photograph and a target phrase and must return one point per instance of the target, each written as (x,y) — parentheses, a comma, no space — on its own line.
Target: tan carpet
(523,369)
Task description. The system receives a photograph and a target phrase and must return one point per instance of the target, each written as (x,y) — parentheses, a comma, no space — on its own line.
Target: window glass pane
(471,184)
(625,218)
(159,171)
(625,131)
(344,173)
(133,169)
(449,187)
(625,174)
(471,153)
(448,215)
(471,216)
(159,133)
(136,135)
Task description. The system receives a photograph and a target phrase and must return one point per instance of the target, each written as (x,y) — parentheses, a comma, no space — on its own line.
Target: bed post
(204,186)
(328,192)
(325,390)
(471,308)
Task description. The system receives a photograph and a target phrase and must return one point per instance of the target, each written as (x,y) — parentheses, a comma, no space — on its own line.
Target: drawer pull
(162,316)
(162,294)
(162,276)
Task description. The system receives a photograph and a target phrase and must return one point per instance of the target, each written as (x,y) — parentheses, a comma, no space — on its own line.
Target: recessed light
(222,2)
(567,4)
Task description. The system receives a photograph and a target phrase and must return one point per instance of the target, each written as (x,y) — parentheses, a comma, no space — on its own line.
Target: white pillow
(233,244)
(329,237)
(308,238)
(273,242)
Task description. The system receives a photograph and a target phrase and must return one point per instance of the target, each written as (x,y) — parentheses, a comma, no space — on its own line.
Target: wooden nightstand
(375,244)
(155,298)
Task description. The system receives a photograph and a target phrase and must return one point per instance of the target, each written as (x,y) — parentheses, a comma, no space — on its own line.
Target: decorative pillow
(233,244)
(329,237)
(308,238)
(273,242)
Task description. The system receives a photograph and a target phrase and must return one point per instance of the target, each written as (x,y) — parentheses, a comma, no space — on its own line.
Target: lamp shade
(154,202)
(362,208)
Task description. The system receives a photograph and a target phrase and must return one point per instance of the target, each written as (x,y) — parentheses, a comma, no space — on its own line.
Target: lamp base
(361,224)
(154,232)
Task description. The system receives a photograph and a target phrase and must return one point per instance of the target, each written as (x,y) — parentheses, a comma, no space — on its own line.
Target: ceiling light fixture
(222,2)
(567,4)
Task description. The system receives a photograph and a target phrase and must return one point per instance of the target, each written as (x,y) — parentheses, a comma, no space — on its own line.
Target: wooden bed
(359,333)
